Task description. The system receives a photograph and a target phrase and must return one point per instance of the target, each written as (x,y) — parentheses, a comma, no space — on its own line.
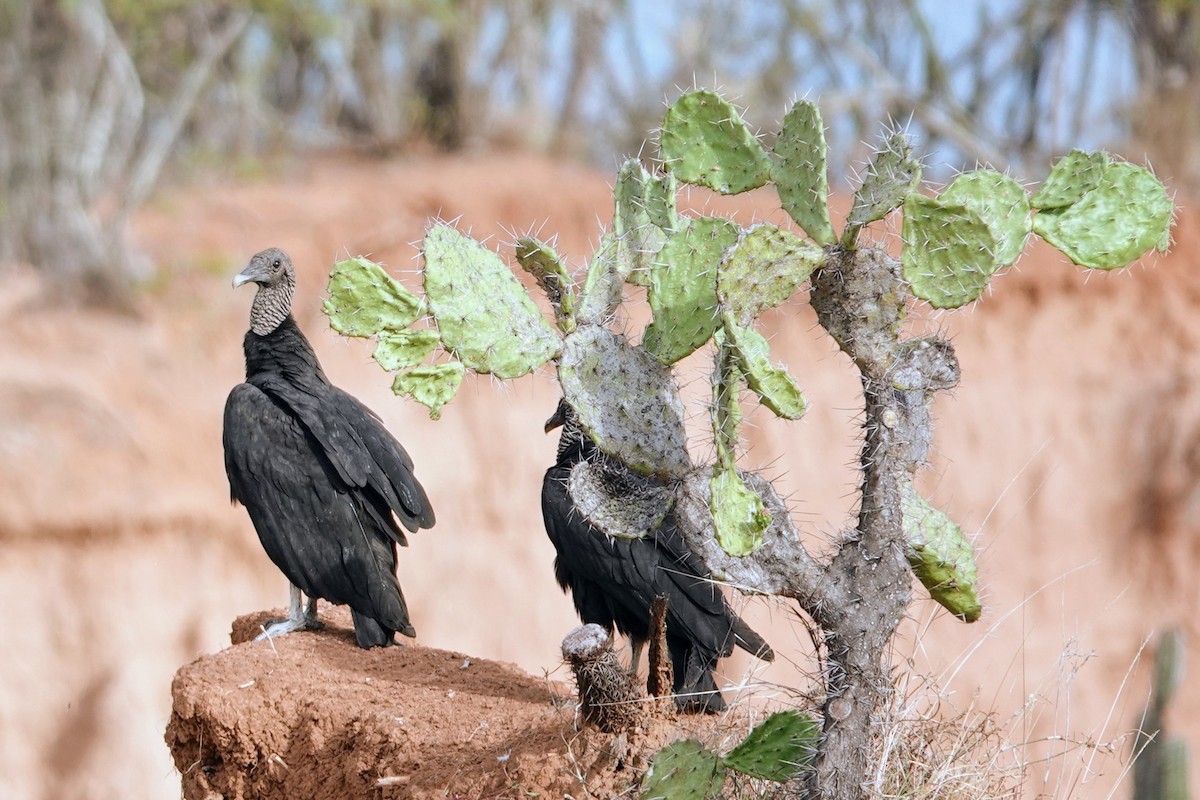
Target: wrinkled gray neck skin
(271,305)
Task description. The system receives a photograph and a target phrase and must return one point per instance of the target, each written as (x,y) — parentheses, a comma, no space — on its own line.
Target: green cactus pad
(776,389)
(727,408)
(620,504)
(643,217)
(1001,203)
(404,348)
(778,749)
(705,142)
(739,517)
(1071,177)
(601,293)
(765,267)
(891,177)
(683,291)
(940,555)
(626,401)
(432,386)
(540,261)
(485,316)
(799,171)
(1122,218)
(684,770)
(949,252)
(364,300)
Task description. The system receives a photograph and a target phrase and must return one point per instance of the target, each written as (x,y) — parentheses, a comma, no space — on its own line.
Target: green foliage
(643,217)
(776,389)
(540,261)
(949,251)
(1071,177)
(684,770)
(1002,205)
(602,288)
(485,316)
(705,142)
(799,171)
(626,400)
(431,385)
(940,556)
(364,300)
(778,749)
(890,179)
(739,517)
(781,747)
(683,291)
(1120,217)
(763,269)
(400,349)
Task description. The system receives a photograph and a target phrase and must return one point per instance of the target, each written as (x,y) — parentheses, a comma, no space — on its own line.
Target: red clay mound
(311,715)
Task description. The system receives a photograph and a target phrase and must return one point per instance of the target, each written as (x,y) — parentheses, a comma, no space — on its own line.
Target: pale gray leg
(297,619)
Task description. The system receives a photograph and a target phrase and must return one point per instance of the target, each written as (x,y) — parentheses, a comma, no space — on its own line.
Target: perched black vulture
(326,486)
(613,580)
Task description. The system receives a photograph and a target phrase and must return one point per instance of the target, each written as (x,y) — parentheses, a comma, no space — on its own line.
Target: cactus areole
(707,281)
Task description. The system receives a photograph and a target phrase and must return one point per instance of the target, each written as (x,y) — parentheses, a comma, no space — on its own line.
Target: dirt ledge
(310,715)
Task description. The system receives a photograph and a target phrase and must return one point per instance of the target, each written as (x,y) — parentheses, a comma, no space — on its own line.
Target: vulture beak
(558,419)
(241,278)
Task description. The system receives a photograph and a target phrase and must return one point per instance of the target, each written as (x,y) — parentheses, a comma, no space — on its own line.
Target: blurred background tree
(99,99)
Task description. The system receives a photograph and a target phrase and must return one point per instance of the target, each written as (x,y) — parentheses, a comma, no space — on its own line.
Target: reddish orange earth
(1069,451)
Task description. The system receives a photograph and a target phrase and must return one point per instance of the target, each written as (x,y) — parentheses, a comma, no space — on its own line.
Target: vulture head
(276,278)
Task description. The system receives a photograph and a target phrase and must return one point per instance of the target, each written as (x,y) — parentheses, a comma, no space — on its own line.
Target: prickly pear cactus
(626,400)
(601,293)
(403,348)
(431,385)
(949,252)
(704,141)
(890,179)
(940,556)
(764,268)
(644,216)
(364,300)
(486,318)
(1071,177)
(616,502)
(539,260)
(683,291)
(778,749)
(776,389)
(799,171)
(739,516)
(1001,203)
(1125,214)
(684,770)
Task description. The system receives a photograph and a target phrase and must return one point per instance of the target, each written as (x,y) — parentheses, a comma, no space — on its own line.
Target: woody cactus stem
(859,298)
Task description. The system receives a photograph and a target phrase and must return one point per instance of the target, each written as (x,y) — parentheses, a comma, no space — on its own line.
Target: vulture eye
(276,264)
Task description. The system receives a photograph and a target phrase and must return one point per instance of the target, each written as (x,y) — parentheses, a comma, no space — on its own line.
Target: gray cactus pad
(626,401)
(618,502)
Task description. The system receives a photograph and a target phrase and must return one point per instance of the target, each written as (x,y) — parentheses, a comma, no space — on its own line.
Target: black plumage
(614,580)
(329,490)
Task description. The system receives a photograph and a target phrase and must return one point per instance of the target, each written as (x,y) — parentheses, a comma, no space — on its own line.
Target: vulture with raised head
(329,490)
(614,580)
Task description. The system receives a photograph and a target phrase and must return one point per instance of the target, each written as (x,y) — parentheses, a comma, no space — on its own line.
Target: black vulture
(329,490)
(614,580)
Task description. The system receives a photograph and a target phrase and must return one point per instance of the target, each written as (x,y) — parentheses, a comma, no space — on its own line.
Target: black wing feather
(324,536)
